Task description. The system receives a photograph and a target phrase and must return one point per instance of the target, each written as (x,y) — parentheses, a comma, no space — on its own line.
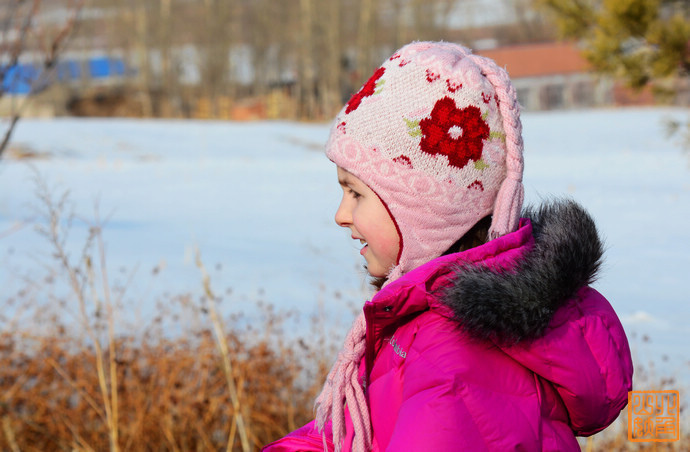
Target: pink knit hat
(436,133)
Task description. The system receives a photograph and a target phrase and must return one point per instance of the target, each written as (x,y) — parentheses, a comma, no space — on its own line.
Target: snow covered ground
(257,200)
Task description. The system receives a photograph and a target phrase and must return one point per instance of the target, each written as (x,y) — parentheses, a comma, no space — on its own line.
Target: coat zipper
(369,311)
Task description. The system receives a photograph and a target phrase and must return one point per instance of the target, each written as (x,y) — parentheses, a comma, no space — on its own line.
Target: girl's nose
(343,216)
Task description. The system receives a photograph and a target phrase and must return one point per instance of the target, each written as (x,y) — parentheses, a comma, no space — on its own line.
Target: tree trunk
(365,44)
(142,50)
(331,65)
(306,61)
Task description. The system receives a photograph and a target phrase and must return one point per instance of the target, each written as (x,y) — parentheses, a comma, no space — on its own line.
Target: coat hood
(512,305)
(528,292)
(542,313)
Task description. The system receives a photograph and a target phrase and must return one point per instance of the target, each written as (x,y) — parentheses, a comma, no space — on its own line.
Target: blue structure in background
(104,67)
(68,70)
(19,79)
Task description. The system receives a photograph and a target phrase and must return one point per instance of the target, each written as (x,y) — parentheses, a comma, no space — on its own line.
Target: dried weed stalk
(222,344)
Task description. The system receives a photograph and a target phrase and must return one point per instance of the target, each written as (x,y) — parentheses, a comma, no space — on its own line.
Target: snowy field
(257,200)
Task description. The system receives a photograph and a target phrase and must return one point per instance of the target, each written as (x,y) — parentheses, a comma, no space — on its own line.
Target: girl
(484,333)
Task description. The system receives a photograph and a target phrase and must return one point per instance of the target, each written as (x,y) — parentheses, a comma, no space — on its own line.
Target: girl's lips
(363,242)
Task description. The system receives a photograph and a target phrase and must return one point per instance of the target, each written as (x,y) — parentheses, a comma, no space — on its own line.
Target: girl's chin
(374,271)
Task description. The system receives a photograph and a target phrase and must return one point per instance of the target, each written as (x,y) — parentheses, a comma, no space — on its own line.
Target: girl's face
(366,216)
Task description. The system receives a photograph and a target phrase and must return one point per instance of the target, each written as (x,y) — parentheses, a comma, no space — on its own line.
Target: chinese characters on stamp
(653,416)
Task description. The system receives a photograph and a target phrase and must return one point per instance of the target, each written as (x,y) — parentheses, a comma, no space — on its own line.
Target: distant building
(25,78)
(552,75)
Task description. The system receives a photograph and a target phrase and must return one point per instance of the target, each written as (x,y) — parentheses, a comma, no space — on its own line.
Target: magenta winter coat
(513,351)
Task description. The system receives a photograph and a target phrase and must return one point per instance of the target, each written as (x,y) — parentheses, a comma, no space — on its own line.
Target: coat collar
(421,288)
(508,289)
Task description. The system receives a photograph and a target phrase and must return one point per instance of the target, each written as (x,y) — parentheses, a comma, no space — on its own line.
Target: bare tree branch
(21,19)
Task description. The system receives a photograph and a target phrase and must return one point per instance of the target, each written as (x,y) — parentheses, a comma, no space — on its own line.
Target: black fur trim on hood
(513,306)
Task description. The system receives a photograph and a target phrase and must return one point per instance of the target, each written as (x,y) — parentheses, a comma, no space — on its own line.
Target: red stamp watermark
(653,416)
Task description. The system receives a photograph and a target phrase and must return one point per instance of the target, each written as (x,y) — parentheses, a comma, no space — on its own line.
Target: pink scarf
(342,386)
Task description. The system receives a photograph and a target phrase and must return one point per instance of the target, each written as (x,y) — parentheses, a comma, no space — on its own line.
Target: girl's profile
(484,332)
(366,216)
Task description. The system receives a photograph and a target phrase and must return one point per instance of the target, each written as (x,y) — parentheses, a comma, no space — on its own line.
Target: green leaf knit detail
(413,126)
(499,135)
(480,165)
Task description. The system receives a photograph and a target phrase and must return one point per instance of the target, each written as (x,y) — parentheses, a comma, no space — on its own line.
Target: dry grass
(72,378)
(173,385)
(172,394)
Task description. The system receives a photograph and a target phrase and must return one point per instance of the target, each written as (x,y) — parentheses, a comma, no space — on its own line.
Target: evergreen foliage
(644,42)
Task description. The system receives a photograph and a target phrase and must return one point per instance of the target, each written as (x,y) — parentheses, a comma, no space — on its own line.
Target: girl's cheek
(393,247)
(388,244)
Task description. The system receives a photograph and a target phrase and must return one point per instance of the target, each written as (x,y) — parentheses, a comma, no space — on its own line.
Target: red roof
(530,60)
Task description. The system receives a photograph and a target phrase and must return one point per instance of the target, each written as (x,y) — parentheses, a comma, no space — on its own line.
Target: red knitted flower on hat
(367,90)
(455,133)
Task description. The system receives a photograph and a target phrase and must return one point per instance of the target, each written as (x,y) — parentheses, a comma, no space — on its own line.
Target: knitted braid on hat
(342,386)
(511,194)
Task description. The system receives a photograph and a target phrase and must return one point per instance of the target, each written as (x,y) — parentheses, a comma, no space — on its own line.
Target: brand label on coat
(397,348)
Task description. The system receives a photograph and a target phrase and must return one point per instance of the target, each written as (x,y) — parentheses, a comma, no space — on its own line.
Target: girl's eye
(353,193)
